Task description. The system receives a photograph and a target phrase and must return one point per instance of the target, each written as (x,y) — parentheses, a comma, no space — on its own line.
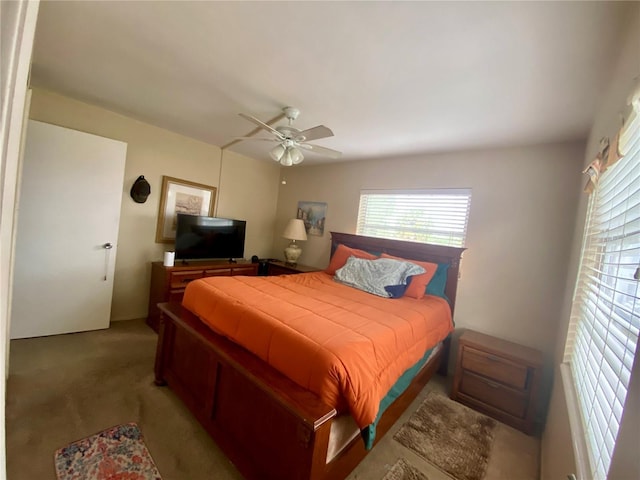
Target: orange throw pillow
(342,254)
(418,283)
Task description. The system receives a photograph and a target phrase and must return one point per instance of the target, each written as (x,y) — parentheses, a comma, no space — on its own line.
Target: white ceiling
(389,78)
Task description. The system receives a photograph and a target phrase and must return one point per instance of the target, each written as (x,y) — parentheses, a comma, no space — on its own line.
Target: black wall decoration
(140,190)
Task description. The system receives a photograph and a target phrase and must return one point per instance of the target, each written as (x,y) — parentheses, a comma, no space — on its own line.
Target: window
(605,317)
(428,216)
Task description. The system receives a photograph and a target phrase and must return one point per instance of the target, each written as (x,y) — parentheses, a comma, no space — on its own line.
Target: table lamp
(294,231)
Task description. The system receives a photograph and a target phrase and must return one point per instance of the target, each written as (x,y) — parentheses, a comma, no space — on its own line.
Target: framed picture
(314,215)
(181,196)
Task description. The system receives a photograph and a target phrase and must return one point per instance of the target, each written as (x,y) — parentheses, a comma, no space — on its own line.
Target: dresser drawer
(218,272)
(495,367)
(250,270)
(511,401)
(180,279)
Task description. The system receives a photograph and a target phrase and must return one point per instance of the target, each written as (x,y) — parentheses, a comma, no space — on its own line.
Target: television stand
(168,283)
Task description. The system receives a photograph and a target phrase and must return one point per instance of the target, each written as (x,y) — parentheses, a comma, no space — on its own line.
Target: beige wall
(520,228)
(557,454)
(248,189)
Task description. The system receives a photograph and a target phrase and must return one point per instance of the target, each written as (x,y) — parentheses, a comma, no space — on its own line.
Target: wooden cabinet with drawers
(278,267)
(168,283)
(498,378)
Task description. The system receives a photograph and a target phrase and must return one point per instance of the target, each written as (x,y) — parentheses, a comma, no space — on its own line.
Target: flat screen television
(200,238)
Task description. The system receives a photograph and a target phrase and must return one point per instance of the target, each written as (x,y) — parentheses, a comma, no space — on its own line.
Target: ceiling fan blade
(258,138)
(316,132)
(321,150)
(262,125)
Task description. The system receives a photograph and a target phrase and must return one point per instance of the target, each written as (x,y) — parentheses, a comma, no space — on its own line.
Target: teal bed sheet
(369,432)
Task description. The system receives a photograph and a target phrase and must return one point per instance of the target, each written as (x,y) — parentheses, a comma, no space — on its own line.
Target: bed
(269,425)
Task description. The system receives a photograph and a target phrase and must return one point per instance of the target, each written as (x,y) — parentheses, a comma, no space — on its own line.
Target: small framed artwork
(314,215)
(181,196)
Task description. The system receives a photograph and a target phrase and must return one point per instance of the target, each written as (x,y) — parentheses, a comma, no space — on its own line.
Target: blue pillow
(438,283)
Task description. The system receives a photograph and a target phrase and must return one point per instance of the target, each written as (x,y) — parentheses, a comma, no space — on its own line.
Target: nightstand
(498,378)
(278,267)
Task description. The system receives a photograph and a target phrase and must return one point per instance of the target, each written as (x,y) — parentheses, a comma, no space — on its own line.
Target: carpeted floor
(68,387)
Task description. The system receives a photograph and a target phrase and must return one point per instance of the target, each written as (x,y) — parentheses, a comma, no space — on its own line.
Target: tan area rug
(451,436)
(402,470)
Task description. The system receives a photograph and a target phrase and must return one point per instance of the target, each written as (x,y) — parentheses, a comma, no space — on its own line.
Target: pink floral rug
(118,453)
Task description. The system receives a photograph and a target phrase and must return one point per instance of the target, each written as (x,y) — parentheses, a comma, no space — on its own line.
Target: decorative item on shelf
(294,231)
(140,190)
(169,258)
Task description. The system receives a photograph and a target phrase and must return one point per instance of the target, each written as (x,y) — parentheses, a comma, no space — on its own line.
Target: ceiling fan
(290,140)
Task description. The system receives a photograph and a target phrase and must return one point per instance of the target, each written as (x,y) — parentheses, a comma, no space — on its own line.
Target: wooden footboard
(267,425)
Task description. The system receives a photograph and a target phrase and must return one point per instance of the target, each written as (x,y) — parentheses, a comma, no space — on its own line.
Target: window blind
(436,216)
(605,318)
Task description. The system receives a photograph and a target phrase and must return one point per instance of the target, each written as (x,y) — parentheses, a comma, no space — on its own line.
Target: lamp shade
(286,160)
(296,155)
(295,230)
(277,152)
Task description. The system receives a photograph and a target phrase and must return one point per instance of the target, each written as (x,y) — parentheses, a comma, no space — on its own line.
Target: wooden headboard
(409,250)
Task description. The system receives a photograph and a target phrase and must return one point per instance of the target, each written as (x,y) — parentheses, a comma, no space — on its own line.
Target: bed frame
(267,425)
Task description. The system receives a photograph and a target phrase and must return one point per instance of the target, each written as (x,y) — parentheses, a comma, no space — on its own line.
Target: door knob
(107,246)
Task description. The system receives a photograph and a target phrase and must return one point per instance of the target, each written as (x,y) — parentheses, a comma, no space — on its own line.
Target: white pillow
(384,277)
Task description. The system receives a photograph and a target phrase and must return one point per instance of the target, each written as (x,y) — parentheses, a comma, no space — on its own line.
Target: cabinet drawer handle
(493,384)
(493,358)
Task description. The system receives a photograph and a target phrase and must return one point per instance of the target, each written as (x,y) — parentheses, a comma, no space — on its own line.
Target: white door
(68,212)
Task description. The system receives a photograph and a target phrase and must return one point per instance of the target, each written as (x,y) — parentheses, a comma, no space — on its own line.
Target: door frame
(18,32)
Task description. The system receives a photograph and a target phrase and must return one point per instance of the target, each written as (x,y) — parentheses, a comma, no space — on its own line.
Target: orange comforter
(347,346)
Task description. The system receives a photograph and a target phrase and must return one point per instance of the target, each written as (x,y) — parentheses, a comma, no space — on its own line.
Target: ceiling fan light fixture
(277,152)
(286,155)
(296,156)
(286,160)
(290,139)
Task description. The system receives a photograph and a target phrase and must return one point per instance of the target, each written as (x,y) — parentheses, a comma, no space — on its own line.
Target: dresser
(498,378)
(168,283)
